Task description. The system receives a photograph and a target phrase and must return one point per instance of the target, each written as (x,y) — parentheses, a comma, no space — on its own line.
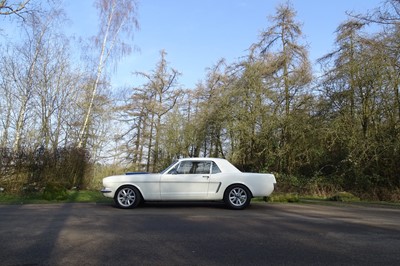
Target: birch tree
(13,7)
(24,75)
(118,19)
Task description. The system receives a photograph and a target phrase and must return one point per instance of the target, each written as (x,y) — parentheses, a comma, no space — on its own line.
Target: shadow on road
(197,233)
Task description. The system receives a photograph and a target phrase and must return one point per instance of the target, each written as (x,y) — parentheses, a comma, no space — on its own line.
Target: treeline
(54,105)
(268,112)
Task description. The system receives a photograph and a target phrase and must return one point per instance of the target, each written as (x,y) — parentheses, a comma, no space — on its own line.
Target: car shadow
(186,204)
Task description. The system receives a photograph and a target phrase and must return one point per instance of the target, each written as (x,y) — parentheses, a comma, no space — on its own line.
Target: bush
(280,197)
(344,197)
(54,191)
(30,171)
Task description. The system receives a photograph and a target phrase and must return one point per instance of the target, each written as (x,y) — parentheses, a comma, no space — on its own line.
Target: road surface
(199,234)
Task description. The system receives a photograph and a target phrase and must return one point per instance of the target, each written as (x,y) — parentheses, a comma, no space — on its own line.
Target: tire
(237,197)
(127,197)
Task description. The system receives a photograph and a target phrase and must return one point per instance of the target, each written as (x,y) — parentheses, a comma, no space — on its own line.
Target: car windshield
(163,171)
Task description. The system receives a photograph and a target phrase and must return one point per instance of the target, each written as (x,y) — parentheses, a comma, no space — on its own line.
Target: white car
(190,179)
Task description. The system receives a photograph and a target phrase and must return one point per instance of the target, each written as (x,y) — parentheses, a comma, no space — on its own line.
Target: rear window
(215,169)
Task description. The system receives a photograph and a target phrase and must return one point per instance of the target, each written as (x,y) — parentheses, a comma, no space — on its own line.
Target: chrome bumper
(106,190)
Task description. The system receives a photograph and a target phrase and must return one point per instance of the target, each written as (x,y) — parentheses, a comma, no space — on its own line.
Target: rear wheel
(127,197)
(237,197)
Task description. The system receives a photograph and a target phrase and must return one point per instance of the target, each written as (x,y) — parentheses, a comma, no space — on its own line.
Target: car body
(190,179)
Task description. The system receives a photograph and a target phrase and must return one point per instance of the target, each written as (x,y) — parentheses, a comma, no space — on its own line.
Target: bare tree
(387,14)
(282,39)
(13,7)
(26,76)
(117,17)
(134,112)
(162,84)
(279,46)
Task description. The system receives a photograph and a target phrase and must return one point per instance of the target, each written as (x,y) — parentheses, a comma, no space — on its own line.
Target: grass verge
(339,199)
(73,196)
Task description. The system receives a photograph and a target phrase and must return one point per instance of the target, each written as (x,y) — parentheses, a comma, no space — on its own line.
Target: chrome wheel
(237,197)
(127,197)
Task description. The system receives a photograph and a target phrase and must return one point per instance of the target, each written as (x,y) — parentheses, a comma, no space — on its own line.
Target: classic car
(190,179)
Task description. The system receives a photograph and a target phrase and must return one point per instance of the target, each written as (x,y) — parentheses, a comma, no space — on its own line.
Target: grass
(339,199)
(87,196)
(283,197)
(73,196)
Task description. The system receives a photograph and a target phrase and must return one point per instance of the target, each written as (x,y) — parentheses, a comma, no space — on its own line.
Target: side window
(174,170)
(203,168)
(184,167)
(215,169)
(189,167)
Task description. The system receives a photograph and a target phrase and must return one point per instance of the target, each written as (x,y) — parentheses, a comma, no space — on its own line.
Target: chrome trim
(219,186)
(106,190)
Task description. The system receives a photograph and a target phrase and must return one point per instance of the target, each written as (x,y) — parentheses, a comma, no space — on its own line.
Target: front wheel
(127,197)
(237,197)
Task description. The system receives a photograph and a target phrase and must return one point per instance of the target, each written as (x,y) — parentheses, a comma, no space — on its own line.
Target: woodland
(63,127)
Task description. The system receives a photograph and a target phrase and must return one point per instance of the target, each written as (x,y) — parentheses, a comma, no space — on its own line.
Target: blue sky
(197,33)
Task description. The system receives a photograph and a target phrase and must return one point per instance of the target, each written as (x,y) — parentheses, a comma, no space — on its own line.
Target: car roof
(223,164)
(202,159)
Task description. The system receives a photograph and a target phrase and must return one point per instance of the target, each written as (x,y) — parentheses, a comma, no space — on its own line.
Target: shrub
(282,197)
(30,171)
(344,197)
(54,191)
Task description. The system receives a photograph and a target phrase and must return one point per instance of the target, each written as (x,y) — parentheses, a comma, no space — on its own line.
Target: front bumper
(105,190)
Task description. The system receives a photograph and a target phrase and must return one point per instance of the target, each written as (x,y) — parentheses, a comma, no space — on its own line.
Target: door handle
(206,176)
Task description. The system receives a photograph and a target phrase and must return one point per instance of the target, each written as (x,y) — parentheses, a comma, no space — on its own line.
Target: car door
(187,181)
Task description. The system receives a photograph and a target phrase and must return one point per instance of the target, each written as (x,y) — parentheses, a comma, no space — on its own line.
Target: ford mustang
(190,179)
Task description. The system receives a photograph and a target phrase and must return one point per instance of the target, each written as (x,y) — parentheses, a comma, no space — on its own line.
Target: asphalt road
(199,234)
